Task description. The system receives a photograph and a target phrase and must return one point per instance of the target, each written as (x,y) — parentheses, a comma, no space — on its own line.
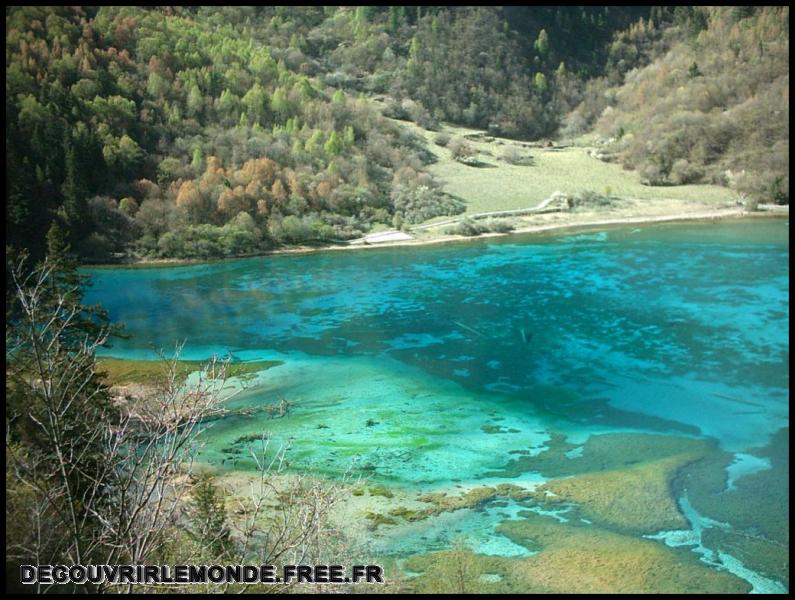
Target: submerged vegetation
(124,371)
(95,477)
(496,443)
(537,504)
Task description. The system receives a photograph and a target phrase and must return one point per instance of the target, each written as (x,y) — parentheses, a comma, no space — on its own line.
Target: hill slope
(217,131)
(713,108)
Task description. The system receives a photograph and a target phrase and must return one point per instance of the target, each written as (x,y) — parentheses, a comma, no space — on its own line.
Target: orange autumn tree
(191,200)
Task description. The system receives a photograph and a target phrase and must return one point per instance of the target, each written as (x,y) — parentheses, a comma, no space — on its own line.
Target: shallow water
(431,368)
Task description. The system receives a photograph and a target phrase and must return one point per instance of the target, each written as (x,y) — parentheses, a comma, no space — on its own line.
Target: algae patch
(636,499)
(380,490)
(377,519)
(603,452)
(573,558)
(757,508)
(151,372)
(578,558)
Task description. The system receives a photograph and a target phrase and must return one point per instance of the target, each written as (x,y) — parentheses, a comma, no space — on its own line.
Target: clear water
(397,358)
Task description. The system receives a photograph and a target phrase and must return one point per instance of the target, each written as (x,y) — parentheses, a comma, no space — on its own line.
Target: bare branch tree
(108,480)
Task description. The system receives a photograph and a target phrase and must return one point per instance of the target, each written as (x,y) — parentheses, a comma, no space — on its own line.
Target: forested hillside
(220,131)
(714,107)
(182,135)
(514,70)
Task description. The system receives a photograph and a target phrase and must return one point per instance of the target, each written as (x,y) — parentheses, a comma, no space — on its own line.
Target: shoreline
(710,215)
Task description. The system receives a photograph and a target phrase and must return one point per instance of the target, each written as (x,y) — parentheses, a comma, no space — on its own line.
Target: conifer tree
(542,43)
(209,519)
(333,145)
(74,194)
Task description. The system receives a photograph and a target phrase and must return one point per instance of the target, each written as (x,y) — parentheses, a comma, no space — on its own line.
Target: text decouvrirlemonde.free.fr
(198,574)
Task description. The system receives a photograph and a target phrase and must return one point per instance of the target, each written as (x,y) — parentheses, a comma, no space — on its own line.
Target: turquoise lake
(434,368)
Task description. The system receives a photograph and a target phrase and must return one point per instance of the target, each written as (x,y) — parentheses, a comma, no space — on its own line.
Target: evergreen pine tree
(209,519)
(394,19)
(333,145)
(74,194)
(542,43)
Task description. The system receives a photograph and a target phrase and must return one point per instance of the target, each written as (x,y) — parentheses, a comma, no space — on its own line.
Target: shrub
(460,148)
(470,227)
(779,189)
(294,230)
(290,229)
(419,114)
(498,225)
(416,197)
(466,227)
(169,169)
(422,203)
(652,174)
(514,156)
(588,198)
(200,241)
(510,154)
(763,187)
(170,244)
(395,110)
(442,138)
(683,172)
(128,206)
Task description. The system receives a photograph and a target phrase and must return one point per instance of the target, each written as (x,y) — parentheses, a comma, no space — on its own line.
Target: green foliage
(349,137)
(416,198)
(103,98)
(122,155)
(170,169)
(74,194)
(57,247)
(195,101)
(297,230)
(209,526)
(197,161)
(333,145)
(540,83)
(128,206)
(280,103)
(460,149)
(256,103)
(201,241)
(542,43)
(470,227)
